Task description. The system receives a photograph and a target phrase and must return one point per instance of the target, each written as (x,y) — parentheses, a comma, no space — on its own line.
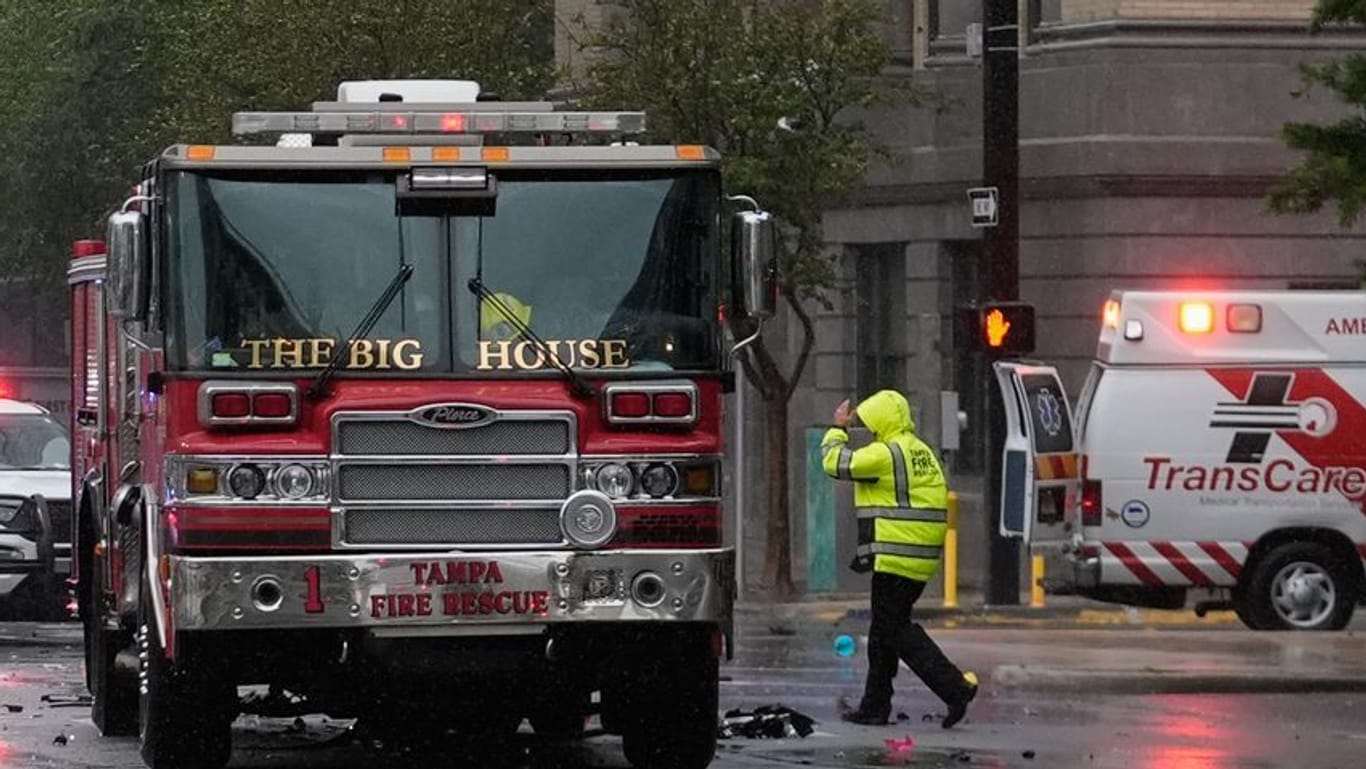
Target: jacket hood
(886,413)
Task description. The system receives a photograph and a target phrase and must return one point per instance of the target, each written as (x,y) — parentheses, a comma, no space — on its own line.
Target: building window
(880,316)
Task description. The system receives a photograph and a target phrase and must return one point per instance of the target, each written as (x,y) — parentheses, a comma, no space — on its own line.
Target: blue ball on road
(845,646)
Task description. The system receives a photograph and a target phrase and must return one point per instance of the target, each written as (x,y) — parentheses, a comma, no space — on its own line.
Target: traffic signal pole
(1001,254)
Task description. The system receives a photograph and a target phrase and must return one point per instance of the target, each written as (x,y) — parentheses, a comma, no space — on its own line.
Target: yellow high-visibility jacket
(899,490)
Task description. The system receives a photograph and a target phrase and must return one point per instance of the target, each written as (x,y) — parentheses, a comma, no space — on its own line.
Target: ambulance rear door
(1039,475)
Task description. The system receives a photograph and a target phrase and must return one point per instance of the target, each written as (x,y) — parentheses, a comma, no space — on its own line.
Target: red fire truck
(414,413)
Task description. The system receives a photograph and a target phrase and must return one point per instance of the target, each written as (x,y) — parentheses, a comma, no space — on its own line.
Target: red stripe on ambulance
(1222,557)
(1133,563)
(1182,564)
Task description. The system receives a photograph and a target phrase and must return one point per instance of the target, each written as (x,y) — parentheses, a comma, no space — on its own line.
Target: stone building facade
(1149,138)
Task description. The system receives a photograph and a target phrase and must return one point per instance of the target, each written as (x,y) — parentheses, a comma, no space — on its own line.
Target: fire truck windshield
(269,272)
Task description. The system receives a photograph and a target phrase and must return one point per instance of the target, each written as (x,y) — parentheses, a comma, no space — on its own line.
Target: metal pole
(1001,169)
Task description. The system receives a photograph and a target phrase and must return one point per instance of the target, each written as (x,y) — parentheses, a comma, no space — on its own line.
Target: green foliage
(1334,166)
(96,88)
(1334,11)
(722,73)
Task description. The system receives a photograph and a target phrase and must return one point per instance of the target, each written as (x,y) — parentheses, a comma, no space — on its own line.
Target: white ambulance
(1219,444)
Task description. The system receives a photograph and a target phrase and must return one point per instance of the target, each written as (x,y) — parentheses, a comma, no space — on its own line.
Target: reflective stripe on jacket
(899,493)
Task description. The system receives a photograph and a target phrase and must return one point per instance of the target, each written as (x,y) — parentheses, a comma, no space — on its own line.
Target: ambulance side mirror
(127,273)
(754,266)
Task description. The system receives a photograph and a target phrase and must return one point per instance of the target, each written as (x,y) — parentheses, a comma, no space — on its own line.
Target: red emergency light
(84,248)
(651,404)
(263,404)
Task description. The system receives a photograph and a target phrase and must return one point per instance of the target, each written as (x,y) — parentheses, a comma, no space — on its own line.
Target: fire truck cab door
(1039,477)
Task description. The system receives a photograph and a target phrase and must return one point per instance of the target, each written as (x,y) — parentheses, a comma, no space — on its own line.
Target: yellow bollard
(1036,583)
(951,555)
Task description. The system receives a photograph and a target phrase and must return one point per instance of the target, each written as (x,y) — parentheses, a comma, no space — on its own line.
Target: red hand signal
(997,327)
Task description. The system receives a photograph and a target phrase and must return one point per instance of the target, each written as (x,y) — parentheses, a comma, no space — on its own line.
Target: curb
(40,635)
(834,613)
(1159,681)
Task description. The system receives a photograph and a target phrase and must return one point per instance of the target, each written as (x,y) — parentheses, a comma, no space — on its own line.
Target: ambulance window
(1088,392)
(1048,411)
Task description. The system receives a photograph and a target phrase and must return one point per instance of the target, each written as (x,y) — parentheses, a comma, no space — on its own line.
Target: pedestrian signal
(1003,328)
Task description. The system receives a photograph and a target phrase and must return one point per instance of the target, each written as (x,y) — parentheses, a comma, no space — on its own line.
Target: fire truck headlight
(659,480)
(615,480)
(246,481)
(588,519)
(293,482)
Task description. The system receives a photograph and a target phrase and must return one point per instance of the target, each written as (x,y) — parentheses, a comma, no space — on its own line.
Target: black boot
(960,708)
(862,715)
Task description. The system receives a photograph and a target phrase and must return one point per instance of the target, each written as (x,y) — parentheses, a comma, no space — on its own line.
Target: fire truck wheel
(115,707)
(562,720)
(674,726)
(1300,586)
(85,594)
(184,711)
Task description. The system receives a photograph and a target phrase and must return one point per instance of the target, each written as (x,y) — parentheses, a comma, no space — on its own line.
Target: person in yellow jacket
(902,503)
(494,323)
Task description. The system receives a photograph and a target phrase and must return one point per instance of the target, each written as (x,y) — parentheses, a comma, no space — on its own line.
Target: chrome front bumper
(478,592)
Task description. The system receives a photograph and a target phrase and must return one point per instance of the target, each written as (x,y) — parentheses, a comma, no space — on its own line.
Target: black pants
(893,635)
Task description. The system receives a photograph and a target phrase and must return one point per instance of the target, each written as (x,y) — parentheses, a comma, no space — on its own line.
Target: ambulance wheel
(1242,607)
(115,698)
(184,711)
(1299,586)
(673,725)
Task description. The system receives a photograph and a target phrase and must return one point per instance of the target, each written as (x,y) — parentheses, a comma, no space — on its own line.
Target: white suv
(35,459)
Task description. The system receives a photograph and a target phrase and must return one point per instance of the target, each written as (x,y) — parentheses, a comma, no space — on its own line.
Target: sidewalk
(971,611)
(40,634)
(1076,645)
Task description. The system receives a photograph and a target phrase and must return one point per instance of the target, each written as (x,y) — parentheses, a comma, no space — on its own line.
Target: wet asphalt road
(1018,720)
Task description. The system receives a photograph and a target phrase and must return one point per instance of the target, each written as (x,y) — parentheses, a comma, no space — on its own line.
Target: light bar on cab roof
(437,122)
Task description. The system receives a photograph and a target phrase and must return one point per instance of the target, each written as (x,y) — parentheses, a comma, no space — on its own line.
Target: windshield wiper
(315,390)
(577,386)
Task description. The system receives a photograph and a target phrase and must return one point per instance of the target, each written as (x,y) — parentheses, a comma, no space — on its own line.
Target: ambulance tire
(1257,599)
(1242,607)
(675,726)
(184,711)
(114,709)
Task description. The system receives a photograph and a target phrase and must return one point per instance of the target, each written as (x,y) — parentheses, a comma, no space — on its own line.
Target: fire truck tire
(86,604)
(563,720)
(115,699)
(184,711)
(674,727)
(1298,586)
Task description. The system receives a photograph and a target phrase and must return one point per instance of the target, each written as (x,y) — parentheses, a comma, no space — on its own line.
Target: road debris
(900,746)
(766,721)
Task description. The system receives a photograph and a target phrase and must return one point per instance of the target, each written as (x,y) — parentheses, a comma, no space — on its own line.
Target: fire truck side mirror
(127,273)
(752,252)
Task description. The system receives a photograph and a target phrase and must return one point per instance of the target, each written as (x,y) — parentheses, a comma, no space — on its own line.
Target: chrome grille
(452,482)
(484,527)
(398,482)
(519,437)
